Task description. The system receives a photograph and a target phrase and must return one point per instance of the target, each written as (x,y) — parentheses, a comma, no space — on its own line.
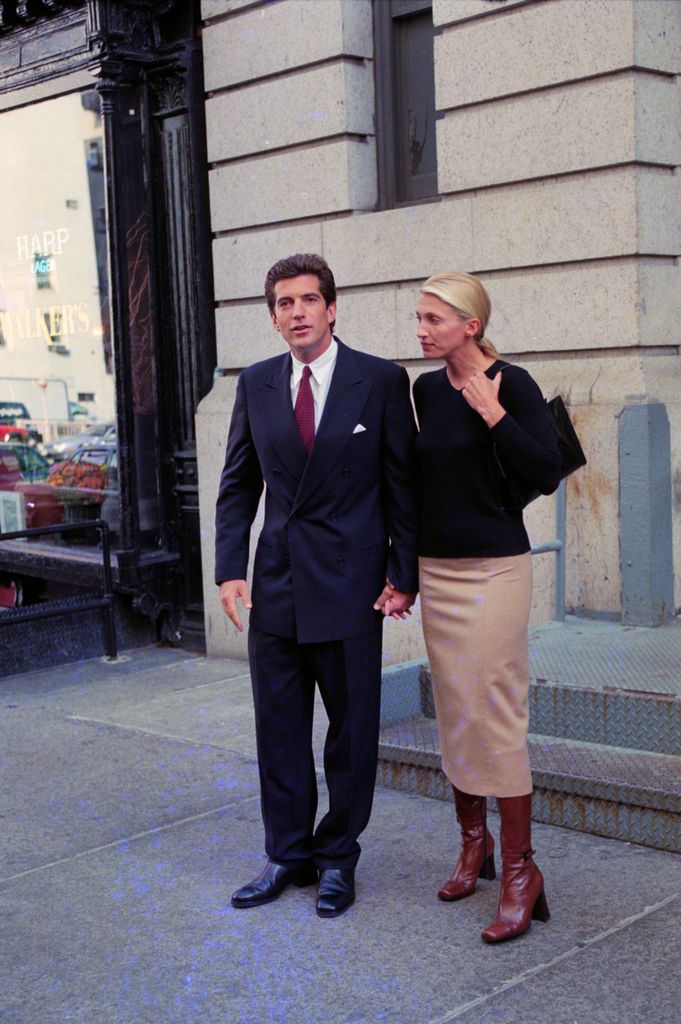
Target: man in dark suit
(330,432)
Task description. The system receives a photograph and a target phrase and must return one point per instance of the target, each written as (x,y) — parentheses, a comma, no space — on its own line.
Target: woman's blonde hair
(467,296)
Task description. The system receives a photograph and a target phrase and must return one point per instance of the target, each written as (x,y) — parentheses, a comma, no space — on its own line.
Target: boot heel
(488,871)
(540,911)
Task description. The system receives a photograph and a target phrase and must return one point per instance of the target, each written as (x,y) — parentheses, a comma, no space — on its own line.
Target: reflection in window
(94,154)
(54,302)
(54,241)
(42,267)
(82,487)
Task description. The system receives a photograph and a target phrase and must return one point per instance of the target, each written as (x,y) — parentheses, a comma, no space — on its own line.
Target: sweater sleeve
(398,470)
(524,436)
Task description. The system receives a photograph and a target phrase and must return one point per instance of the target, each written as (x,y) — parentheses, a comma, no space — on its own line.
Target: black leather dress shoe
(271,883)
(336,891)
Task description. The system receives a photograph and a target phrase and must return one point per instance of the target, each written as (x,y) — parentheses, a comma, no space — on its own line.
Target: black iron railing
(71,605)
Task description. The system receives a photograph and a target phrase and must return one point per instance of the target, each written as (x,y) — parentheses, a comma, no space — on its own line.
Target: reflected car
(24,470)
(10,412)
(10,467)
(32,464)
(78,489)
(64,447)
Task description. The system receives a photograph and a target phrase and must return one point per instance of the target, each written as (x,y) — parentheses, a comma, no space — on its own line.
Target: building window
(93,149)
(53,325)
(405,101)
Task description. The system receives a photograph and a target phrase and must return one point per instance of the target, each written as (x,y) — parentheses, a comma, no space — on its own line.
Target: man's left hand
(394,603)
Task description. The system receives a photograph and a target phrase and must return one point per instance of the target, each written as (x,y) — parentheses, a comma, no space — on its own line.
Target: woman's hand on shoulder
(482,394)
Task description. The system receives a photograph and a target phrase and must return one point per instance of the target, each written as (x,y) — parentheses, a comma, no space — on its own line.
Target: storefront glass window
(58,455)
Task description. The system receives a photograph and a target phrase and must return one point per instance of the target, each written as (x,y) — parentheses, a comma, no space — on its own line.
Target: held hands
(394,603)
(391,602)
(482,394)
(230,591)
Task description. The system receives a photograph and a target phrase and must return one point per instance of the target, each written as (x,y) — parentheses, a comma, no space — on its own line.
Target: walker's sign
(49,322)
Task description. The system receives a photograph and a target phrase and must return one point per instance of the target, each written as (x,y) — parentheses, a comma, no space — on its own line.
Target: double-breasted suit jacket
(335,523)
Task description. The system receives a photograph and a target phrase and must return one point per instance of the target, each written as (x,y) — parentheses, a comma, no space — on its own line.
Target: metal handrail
(103,602)
(558,545)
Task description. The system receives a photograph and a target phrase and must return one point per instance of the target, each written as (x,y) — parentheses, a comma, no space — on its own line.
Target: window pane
(415,102)
(405,101)
(56,373)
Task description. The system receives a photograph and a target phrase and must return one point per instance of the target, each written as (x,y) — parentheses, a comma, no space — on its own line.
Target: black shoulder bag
(515,495)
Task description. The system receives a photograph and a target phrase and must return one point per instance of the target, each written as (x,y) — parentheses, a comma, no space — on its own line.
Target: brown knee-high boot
(522,885)
(476,859)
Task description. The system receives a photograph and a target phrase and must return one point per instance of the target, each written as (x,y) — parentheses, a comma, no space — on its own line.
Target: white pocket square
(359,428)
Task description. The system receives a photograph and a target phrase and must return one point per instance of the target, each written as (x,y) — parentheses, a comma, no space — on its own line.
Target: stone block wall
(558,145)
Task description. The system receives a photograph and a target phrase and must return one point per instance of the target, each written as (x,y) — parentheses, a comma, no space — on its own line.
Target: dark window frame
(393,183)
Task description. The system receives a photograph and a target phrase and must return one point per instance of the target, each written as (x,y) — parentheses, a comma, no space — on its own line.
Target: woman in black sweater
(476,584)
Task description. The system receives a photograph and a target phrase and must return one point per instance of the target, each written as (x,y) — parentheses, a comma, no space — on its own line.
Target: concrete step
(606,790)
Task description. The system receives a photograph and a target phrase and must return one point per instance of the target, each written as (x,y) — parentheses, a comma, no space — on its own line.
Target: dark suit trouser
(283,675)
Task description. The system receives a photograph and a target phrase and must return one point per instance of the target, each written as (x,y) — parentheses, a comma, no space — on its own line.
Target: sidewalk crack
(531,972)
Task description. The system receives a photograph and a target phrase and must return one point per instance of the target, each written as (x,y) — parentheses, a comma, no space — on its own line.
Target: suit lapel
(347,397)
(279,418)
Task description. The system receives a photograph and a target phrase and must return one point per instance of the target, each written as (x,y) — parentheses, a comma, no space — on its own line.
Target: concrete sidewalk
(130,811)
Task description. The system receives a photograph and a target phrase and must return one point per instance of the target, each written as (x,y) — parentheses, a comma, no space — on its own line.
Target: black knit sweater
(460,502)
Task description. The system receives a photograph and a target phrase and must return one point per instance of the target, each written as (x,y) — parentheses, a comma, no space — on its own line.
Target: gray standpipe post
(645,513)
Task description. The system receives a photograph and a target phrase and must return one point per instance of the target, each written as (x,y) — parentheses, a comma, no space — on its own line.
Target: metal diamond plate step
(622,719)
(615,717)
(608,656)
(610,791)
(601,682)
(605,721)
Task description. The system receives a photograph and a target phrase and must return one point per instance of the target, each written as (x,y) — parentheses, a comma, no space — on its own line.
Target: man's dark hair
(294,266)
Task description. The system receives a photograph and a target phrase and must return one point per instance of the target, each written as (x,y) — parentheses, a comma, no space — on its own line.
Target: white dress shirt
(320,378)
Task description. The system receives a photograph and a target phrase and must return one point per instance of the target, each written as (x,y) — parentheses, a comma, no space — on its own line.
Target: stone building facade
(557,143)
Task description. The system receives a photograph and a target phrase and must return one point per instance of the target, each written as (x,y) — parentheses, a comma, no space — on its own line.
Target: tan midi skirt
(475,614)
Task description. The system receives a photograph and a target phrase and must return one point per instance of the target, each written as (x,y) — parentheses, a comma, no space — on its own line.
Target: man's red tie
(305,410)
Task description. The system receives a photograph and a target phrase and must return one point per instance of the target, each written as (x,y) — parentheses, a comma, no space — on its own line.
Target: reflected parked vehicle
(65,447)
(23,470)
(33,465)
(79,489)
(23,459)
(10,467)
(22,466)
(10,430)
